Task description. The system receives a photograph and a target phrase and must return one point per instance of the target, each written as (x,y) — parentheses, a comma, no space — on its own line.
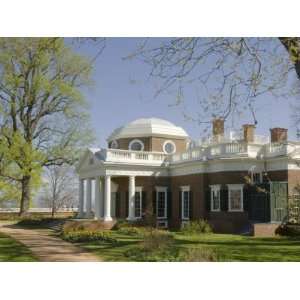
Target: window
(185,202)
(138,202)
(136,145)
(215,198)
(256,177)
(169,147)
(114,144)
(161,202)
(235,197)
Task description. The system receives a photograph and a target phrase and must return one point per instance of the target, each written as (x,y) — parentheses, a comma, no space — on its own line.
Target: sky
(123,91)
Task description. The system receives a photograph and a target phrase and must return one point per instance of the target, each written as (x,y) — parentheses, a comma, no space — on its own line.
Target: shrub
(157,240)
(84,225)
(288,230)
(196,227)
(88,236)
(35,222)
(201,254)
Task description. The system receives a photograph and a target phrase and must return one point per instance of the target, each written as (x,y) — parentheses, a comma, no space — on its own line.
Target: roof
(148,127)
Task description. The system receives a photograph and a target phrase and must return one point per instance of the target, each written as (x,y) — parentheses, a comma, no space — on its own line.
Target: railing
(116,155)
(275,149)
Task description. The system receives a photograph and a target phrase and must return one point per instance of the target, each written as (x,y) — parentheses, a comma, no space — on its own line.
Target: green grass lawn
(230,247)
(13,251)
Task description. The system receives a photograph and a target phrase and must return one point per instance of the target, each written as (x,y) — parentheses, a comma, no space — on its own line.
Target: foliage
(291,230)
(43,113)
(196,227)
(88,236)
(130,228)
(201,254)
(72,225)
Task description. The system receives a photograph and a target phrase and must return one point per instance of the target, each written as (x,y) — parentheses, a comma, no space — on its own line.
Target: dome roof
(148,127)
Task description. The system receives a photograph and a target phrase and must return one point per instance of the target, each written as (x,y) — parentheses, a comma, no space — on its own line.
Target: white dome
(148,127)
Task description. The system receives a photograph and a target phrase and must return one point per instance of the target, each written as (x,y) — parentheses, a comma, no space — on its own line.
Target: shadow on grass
(13,251)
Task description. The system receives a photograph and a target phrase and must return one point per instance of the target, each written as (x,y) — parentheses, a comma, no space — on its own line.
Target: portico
(102,194)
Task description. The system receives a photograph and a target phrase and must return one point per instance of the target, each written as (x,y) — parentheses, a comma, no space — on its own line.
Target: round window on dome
(136,145)
(114,144)
(169,147)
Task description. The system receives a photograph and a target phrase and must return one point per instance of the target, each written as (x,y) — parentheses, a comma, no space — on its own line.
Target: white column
(97,198)
(131,198)
(81,195)
(88,198)
(107,199)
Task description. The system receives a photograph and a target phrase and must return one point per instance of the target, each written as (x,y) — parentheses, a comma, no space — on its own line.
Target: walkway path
(46,246)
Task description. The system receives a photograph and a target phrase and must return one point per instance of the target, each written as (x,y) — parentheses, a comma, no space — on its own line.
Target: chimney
(278,135)
(249,133)
(218,127)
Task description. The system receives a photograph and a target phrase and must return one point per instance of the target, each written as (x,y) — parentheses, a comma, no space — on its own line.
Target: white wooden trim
(173,144)
(235,187)
(139,189)
(162,189)
(136,141)
(183,190)
(213,188)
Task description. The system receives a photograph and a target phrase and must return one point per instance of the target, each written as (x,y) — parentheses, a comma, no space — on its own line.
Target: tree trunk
(292,45)
(25,196)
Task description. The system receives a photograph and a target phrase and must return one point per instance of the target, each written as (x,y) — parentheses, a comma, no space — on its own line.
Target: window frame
(169,142)
(162,189)
(185,189)
(136,141)
(235,187)
(214,188)
(114,144)
(252,177)
(138,189)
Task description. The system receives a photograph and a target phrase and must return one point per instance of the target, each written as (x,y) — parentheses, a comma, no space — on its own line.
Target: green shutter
(169,203)
(207,200)
(191,205)
(180,205)
(144,203)
(126,204)
(224,199)
(154,202)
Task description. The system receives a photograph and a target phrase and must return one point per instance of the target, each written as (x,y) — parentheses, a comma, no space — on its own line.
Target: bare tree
(228,73)
(60,188)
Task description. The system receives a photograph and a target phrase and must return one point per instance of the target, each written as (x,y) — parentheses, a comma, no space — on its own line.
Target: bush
(196,227)
(35,222)
(201,254)
(157,245)
(288,230)
(90,225)
(88,236)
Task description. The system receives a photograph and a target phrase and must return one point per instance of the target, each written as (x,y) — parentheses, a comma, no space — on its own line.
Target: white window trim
(260,176)
(185,188)
(136,141)
(235,187)
(162,189)
(164,146)
(213,188)
(139,189)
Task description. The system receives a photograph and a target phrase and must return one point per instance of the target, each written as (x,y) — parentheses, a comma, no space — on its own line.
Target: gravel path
(46,246)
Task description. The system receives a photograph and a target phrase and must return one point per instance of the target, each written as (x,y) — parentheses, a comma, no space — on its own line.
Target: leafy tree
(43,115)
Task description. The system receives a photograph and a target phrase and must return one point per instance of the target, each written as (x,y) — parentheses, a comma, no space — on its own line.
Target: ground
(45,245)
(13,251)
(231,247)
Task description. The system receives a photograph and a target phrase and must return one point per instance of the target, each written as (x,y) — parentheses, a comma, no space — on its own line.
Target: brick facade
(223,221)
(153,143)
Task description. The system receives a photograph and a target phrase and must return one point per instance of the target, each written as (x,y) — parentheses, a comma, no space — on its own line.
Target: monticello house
(230,179)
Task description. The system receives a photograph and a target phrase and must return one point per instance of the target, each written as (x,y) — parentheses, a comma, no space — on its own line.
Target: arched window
(114,144)
(169,147)
(136,145)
